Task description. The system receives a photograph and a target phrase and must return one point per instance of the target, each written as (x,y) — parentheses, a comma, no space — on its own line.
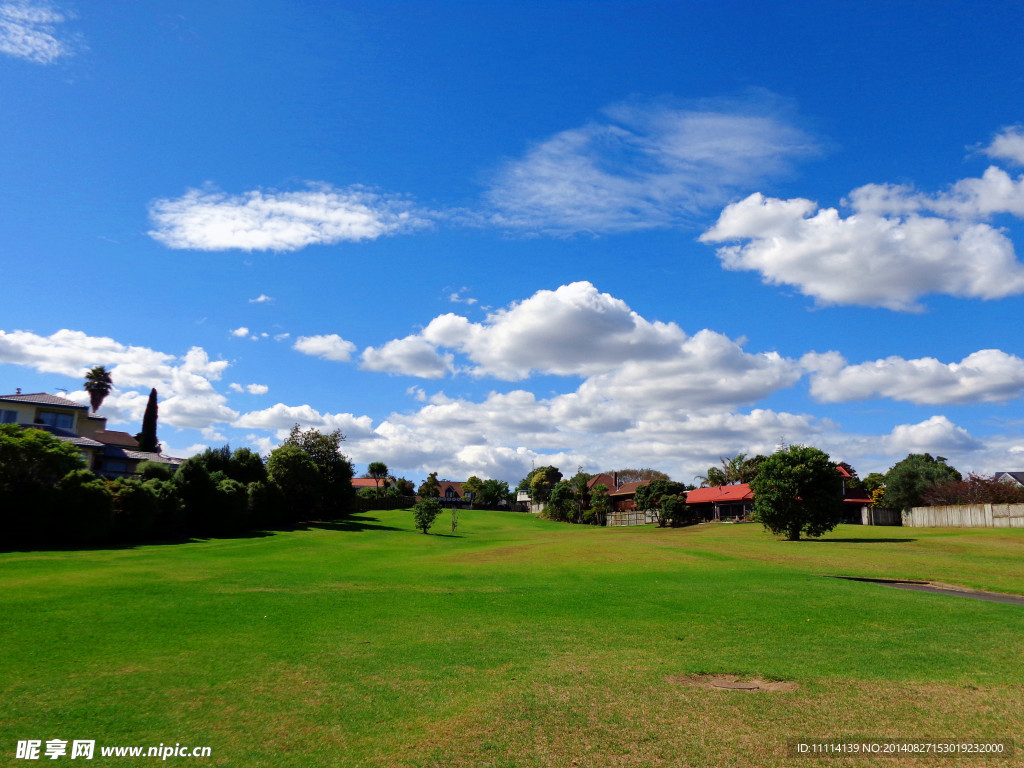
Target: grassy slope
(516,643)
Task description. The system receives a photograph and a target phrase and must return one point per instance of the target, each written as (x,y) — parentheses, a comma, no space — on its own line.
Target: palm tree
(98,384)
(378,470)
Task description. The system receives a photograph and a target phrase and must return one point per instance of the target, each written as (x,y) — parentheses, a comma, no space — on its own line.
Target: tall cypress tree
(147,437)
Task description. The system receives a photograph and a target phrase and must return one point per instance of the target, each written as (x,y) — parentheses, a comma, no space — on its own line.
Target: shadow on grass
(354,524)
(861,541)
(163,541)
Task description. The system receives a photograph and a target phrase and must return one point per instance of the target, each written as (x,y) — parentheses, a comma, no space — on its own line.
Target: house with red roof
(735,502)
(723,502)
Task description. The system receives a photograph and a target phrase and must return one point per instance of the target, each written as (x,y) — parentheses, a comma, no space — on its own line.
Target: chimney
(615,481)
(17,391)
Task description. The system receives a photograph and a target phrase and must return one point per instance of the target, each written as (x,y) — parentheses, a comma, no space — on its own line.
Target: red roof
(720,493)
(602,479)
(856,496)
(364,482)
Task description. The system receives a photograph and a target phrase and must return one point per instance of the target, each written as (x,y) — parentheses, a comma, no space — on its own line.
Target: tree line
(51,499)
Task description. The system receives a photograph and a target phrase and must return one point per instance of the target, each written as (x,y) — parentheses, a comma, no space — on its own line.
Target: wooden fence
(633,517)
(966,516)
(871,515)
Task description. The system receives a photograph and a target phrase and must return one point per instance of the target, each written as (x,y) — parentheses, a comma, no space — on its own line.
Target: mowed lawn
(514,642)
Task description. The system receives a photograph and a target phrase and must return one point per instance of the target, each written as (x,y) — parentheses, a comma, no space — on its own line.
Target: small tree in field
(425,513)
(798,491)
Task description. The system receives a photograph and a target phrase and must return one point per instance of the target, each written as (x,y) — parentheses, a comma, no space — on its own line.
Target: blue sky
(478,236)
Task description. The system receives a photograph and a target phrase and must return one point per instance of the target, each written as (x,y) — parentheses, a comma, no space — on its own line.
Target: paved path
(924,586)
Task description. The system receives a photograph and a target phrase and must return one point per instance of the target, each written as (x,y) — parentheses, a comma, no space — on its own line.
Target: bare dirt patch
(732,683)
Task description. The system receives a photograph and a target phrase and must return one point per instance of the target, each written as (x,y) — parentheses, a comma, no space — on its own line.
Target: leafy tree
(154,470)
(714,478)
(673,510)
(33,458)
(399,486)
(738,469)
(473,487)
(430,488)
(334,467)
(297,476)
(798,491)
(493,492)
(98,384)
(267,505)
(540,481)
(378,470)
(147,437)
(908,480)
(425,512)
(135,508)
(638,475)
(82,512)
(581,497)
(198,492)
(560,501)
(872,481)
(976,489)
(246,466)
(32,463)
(600,504)
(649,496)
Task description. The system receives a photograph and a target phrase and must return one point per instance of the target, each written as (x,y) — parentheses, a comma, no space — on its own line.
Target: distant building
(106,452)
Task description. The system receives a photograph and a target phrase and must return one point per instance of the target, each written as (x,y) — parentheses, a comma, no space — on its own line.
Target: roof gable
(42,398)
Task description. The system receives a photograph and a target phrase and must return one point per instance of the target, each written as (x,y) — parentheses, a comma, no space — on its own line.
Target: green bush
(83,511)
(136,508)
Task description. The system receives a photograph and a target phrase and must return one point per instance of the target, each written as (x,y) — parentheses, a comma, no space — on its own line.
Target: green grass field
(516,642)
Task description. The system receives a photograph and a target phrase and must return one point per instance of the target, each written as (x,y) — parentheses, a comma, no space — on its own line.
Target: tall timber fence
(966,516)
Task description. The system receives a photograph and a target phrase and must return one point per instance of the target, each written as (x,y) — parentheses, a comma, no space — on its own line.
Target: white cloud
(281,336)
(329,347)
(577,331)
(411,356)
(1007,145)
(197,361)
(282,418)
(867,259)
(252,389)
(29,30)
(896,246)
(456,297)
(261,299)
(270,220)
(573,330)
(187,397)
(986,376)
(937,435)
(643,166)
(72,353)
(241,332)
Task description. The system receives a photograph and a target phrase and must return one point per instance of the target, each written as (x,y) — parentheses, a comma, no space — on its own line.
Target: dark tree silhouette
(147,437)
(98,384)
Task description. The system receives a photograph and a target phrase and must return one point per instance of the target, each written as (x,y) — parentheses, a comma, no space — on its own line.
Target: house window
(8,417)
(54,419)
(121,467)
